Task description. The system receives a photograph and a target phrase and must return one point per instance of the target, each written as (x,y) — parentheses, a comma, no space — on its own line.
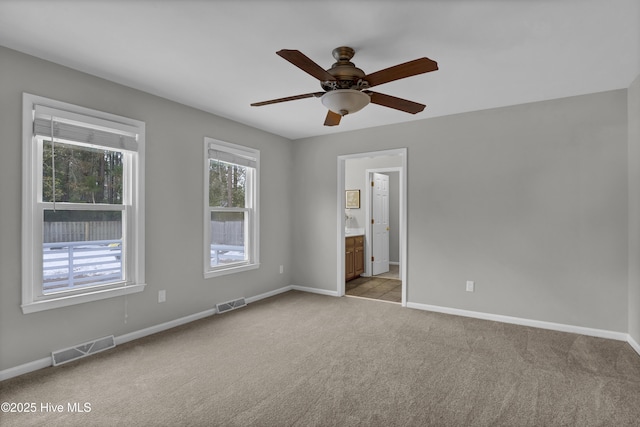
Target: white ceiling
(219,56)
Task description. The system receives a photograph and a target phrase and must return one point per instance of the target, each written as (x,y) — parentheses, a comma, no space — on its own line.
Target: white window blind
(83,129)
(234,157)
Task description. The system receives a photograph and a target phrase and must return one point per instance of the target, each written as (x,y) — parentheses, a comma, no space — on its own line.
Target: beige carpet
(301,359)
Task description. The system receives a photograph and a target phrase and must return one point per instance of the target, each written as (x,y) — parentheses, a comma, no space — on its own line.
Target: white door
(380,223)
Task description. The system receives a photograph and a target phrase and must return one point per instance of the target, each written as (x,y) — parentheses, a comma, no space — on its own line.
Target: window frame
(33,297)
(251,208)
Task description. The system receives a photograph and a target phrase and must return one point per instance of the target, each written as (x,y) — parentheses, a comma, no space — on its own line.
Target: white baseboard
(191,318)
(268,294)
(26,368)
(620,336)
(315,290)
(46,362)
(163,326)
(601,333)
(634,344)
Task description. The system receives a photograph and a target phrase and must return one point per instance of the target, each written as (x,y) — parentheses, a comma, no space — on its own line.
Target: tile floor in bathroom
(385,287)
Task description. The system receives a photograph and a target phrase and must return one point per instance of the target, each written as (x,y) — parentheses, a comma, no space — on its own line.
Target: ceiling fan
(346,87)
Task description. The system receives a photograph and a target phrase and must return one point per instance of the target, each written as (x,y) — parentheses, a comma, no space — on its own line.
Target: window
(83,210)
(231,208)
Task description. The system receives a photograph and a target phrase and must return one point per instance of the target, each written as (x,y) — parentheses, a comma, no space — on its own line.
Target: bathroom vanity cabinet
(354,257)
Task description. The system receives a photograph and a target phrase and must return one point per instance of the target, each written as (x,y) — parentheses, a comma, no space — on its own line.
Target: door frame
(402,172)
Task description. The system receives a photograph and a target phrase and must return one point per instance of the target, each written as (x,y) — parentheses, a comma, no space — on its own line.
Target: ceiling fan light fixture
(345,101)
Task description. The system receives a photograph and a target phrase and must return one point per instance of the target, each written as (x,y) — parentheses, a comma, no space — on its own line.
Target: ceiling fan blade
(301,61)
(288,98)
(400,71)
(332,119)
(396,103)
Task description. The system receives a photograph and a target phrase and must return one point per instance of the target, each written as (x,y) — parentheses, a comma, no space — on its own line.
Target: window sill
(68,300)
(230,270)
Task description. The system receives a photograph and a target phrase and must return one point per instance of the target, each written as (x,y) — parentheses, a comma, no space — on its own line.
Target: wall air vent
(230,305)
(82,350)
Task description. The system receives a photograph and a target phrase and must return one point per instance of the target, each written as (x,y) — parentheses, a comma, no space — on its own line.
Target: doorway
(355,172)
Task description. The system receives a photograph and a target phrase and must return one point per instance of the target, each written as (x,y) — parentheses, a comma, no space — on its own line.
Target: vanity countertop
(349,232)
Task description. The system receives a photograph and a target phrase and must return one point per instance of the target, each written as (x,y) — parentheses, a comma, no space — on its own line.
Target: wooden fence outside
(222,233)
(227,233)
(81,231)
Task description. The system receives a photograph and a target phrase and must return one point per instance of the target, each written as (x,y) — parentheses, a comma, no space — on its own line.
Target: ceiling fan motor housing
(347,75)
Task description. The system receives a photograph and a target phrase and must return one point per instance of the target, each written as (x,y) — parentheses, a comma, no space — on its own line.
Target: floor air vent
(83,350)
(230,305)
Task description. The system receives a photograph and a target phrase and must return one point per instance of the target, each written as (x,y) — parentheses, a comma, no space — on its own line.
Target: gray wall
(174,206)
(529,201)
(634,209)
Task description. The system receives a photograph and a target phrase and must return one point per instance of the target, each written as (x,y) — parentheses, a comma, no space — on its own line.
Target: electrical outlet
(281,269)
(162,296)
(470,286)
